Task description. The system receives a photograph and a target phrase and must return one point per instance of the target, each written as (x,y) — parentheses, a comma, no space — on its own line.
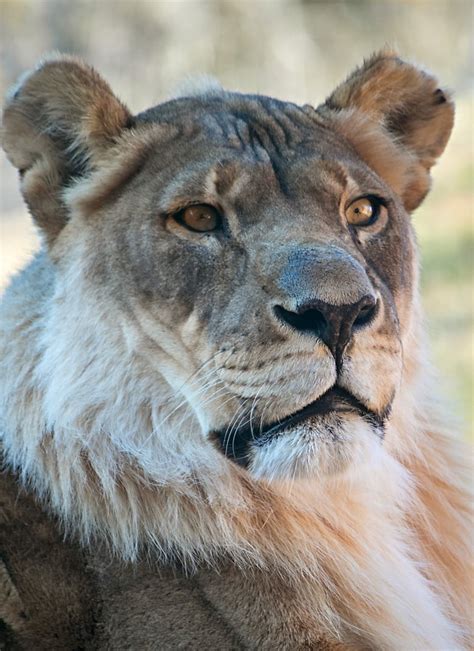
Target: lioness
(213,375)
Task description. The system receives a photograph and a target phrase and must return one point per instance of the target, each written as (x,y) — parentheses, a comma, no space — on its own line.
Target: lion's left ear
(398,120)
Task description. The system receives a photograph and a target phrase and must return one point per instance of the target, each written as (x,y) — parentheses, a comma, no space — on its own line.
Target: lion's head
(223,324)
(255,255)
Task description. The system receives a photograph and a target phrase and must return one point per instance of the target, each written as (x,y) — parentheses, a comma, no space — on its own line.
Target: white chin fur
(312,448)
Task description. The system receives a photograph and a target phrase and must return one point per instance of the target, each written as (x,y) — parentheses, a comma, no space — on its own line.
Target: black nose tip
(334,324)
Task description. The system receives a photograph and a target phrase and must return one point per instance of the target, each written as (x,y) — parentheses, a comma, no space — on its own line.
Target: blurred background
(293,49)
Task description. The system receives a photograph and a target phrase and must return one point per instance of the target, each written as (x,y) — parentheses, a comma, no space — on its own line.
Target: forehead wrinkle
(265,131)
(288,128)
(232,131)
(243,134)
(289,124)
(237,132)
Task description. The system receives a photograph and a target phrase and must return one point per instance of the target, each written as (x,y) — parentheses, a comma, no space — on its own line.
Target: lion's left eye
(364,211)
(200,217)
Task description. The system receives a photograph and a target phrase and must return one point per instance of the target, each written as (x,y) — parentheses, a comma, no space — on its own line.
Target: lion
(219,425)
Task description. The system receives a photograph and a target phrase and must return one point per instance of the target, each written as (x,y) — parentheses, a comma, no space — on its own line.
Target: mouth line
(336,399)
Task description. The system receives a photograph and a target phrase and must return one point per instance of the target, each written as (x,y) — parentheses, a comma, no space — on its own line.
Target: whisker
(251,414)
(230,427)
(183,402)
(242,422)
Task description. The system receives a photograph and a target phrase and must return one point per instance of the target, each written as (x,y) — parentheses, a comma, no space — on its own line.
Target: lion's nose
(325,292)
(334,324)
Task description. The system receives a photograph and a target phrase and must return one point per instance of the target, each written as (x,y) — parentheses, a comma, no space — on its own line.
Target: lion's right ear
(58,123)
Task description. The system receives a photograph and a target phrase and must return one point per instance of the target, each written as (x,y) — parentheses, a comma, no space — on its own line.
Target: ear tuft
(59,121)
(406,105)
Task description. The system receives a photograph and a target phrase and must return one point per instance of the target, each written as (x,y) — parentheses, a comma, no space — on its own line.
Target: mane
(383,543)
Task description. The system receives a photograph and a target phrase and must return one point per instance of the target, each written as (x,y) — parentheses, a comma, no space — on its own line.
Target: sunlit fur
(99,422)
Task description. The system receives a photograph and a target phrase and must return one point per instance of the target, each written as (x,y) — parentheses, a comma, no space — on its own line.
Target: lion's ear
(58,123)
(389,98)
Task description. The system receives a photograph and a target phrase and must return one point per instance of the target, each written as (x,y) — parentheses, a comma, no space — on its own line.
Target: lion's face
(266,252)
(282,319)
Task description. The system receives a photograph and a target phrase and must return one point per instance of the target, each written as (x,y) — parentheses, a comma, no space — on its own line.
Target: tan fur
(111,392)
(57,92)
(388,95)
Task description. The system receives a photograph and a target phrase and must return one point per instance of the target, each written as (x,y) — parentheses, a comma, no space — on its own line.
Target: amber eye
(364,211)
(200,217)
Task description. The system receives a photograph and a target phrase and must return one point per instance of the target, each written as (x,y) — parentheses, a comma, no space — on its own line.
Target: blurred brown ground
(295,49)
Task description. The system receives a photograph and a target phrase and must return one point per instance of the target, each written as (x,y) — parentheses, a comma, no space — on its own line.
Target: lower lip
(334,400)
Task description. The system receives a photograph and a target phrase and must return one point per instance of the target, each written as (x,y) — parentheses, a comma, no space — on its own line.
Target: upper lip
(336,398)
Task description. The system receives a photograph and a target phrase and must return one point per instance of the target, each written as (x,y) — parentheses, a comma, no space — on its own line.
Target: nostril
(311,320)
(367,312)
(333,324)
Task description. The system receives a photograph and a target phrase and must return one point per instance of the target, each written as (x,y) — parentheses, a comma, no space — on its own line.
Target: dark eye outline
(377,204)
(179,218)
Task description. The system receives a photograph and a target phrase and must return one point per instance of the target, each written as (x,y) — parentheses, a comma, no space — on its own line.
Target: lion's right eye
(200,217)
(365,211)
